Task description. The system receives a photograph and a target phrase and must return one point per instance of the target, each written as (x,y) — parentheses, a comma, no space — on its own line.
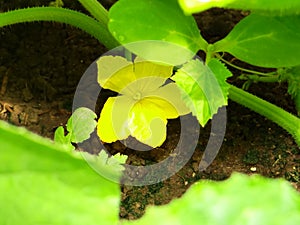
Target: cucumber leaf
(275,7)
(81,124)
(239,200)
(61,138)
(264,41)
(41,183)
(166,30)
(204,88)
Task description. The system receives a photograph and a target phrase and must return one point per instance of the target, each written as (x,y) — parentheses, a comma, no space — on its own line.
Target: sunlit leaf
(41,183)
(169,35)
(203,87)
(275,7)
(238,200)
(264,41)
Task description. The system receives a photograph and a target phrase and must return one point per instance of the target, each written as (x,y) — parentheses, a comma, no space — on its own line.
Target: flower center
(137,96)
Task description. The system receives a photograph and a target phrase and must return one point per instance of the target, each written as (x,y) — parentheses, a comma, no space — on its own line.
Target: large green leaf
(238,200)
(264,41)
(42,184)
(161,24)
(204,88)
(277,7)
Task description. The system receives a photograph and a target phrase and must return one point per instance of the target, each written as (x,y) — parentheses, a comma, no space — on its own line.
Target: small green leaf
(81,124)
(109,167)
(276,7)
(59,137)
(264,41)
(239,200)
(41,183)
(166,31)
(203,87)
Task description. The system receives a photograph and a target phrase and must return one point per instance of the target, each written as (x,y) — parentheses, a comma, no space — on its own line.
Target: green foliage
(57,3)
(264,41)
(204,87)
(41,183)
(292,76)
(238,200)
(80,125)
(110,167)
(136,20)
(65,140)
(275,7)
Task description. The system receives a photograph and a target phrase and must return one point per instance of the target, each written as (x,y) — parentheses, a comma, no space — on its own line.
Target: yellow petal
(114,72)
(171,94)
(149,76)
(142,86)
(113,121)
(147,125)
(147,68)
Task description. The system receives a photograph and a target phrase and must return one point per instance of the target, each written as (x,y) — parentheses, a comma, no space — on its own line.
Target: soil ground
(41,64)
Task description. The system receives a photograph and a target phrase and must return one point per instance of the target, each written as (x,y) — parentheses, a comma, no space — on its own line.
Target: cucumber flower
(144,102)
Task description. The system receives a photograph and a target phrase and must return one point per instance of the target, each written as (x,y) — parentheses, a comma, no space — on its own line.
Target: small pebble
(253,169)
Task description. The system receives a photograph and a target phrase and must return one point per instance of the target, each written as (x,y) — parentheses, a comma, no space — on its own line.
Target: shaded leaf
(292,76)
(81,124)
(264,41)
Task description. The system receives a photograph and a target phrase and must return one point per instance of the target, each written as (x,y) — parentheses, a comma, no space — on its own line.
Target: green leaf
(276,7)
(239,200)
(42,184)
(59,137)
(264,41)
(167,34)
(81,124)
(109,167)
(204,88)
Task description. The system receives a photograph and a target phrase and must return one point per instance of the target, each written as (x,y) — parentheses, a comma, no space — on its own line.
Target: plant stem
(283,118)
(96,10)
(243,69)
(256,78)
(71,17)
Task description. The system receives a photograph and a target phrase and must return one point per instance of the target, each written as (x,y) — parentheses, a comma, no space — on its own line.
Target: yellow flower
(144,103)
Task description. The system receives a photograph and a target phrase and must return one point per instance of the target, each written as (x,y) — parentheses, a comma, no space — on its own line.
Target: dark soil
(43,62)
